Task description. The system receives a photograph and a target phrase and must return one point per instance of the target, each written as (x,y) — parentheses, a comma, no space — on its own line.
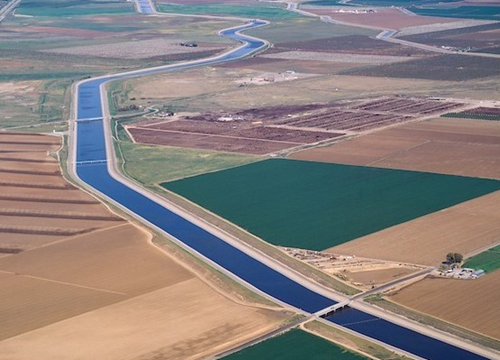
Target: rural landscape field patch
(295,345)
(315,206)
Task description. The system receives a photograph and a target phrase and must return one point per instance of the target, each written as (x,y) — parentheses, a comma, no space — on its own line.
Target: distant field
(316,206)
(467,12)
(443,67)
(74,7)
(489,260)
(447,299)
(305,29)
(151,165)
(255,10)
(295,345)
(376,2)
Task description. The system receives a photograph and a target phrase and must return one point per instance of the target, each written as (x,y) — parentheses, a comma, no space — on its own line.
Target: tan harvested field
(463,228)
(77,278)
(261,63)
(335,58)
(378,277)
(444,145)
(472,304)
(383,18)
(185,320)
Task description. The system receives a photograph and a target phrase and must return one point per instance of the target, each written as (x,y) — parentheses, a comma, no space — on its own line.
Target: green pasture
(295,345)
(488,260)
(466,12)
(304,29)
(317,205)
(263,11)
(55,8)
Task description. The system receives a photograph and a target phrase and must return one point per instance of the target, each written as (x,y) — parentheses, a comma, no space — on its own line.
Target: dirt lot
(265,130)
(472,304)
(377,277)
(383,18)
(448,146)
(463,228)
(77,275)
(223,132)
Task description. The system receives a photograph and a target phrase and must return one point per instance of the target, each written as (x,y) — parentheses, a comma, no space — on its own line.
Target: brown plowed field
(352,44)
(472,304)
(448,146)
(80,282)
(383,18)
(463,228)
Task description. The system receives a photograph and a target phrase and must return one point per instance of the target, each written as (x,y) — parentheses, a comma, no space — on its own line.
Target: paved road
(8,8)
(93,164)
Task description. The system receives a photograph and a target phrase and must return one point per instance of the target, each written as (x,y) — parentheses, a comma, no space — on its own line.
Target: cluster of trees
(454,258)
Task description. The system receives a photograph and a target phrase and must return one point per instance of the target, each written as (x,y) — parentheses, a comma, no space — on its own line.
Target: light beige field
(443,145)
(377,277)
(79,282)
(186,320)
(472,304)
(463,228)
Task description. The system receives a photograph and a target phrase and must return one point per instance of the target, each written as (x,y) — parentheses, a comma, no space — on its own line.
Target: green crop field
(472,115)
(467,12)
(317,205)
(295,345)
(488,260)
(265,11)
(74,7)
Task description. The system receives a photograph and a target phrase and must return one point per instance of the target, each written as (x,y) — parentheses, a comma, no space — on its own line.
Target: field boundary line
(63,283)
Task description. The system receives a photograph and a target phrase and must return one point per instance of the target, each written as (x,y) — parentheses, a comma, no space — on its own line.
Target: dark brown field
(353,44)
(242,136)
(482,38)
(443,67)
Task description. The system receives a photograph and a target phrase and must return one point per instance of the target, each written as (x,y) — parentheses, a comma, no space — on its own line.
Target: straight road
(6,10)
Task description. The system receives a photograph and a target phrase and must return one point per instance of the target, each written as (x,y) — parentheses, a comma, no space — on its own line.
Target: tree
(454,258)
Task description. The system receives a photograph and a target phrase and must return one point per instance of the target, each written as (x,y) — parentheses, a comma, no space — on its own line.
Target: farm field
(305,29)
(78,275)
(480,113)
(478,312)
(443,145)
(151,165)
(479,38)
(294,345)
(462,228)
(40,56)
(239,9)
(441,68)
(351,44)
(468,12)
(488,260)
(383,18)
(315,206)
